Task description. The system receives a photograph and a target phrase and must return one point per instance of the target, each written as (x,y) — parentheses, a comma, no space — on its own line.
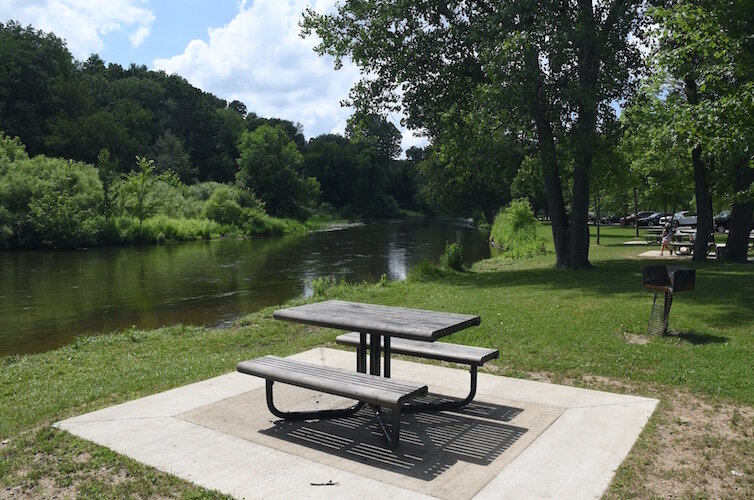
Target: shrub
(514,231)
(425,270)
(49,202)
(328,287)
(452,257)
(222,206)
(161,228)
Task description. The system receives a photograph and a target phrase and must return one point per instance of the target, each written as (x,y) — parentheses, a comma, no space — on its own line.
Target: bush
(452,257)
(160,228)
(222,206)
(514,231)
(49,202)
(425,270)
(328,287)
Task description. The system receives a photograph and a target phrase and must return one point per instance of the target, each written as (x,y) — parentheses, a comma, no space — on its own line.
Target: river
(49,298)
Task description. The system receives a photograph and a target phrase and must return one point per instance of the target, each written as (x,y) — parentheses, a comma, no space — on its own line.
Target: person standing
(667,236)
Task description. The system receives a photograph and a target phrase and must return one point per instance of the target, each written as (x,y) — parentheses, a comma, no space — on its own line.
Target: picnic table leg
(392,436)
(361,353)
(386,355)
(446,405)
(374,353)
(308,415)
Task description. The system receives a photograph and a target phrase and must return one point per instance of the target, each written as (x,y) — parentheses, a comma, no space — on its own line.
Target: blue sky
(175,24)
(248,50)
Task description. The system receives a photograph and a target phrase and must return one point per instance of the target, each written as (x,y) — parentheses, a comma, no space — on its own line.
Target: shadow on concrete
(431,443)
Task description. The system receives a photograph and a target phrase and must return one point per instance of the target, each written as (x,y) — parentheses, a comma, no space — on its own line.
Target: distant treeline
(63,108)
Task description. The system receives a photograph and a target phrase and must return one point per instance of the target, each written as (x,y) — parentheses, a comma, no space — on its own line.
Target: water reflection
(47,298)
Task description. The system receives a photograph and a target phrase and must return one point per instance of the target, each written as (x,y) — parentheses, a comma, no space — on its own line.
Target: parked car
(682,218)
(629,219)
(721,221)
(609,219)
(652,219)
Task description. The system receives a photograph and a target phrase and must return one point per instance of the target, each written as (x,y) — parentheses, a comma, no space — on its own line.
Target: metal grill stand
(665,279)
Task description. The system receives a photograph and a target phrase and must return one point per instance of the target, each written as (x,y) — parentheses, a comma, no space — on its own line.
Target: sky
(249,50)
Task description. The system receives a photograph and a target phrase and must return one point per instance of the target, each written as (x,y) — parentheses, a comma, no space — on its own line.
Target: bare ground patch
(692,447)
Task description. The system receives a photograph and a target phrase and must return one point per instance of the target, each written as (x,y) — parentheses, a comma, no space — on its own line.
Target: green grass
(571,325)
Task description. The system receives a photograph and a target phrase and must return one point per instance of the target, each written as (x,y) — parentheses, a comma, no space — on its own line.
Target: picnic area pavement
(519,439)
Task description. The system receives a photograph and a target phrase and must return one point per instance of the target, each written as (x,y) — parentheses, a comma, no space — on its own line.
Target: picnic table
(653,235)
(379,330)
(683,242)
(378,324)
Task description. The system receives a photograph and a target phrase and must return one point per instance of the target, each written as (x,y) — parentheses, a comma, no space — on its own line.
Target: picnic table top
(416,324)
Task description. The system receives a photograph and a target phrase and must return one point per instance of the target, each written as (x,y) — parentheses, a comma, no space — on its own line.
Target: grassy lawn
(584,328)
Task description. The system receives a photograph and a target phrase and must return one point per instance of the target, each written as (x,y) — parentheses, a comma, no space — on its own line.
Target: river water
(48,298)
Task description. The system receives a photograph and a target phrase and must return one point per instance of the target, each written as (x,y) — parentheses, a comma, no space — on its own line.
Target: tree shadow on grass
(699,338)
(728,288)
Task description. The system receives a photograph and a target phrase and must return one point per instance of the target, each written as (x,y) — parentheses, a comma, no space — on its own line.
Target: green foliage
(528,183)
(425,270)
(269,166)
(169,153)
(510,71)
(514,231)
(107,170)
(452,257)
(49,202)
(374,132)
(11,149)
(222,206)
(162,228)
(328,287)
(137,197)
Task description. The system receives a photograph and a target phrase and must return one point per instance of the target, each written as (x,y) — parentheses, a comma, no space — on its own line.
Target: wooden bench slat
(442,351)
(367,388)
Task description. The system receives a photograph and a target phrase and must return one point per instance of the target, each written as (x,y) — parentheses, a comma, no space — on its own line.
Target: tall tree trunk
(701,189)
(586,126)
(550,169)
(741,216)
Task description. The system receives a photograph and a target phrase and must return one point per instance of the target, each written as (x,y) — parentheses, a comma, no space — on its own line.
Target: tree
(238,107)
(705,48)
(373,131)
(332,158)
(269,165)
(107,170)
(33,66)
(170,154)
(555,66)
(138,188)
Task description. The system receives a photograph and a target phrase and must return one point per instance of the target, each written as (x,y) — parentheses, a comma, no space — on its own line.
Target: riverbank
(582,328)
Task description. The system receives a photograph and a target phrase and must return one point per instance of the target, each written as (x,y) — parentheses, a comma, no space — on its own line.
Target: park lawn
(583,328)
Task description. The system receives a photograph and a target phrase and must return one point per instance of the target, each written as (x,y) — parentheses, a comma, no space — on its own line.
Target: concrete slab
(520,439)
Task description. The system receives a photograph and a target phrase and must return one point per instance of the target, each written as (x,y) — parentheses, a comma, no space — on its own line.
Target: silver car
(682,218)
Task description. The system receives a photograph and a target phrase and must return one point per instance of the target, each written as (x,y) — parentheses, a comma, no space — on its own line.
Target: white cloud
(82,23)
(260,59)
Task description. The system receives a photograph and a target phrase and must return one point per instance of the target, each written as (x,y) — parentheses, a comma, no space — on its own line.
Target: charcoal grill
(668,280)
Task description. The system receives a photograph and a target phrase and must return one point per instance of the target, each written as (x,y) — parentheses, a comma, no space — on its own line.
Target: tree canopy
(543,68)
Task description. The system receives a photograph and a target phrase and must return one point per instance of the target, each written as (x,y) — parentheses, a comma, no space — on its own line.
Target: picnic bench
(683,243)
(653,235)
(440,351)
(365,388)
(416,331)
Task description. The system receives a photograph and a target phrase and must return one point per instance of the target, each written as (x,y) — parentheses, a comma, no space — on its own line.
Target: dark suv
(721,221)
